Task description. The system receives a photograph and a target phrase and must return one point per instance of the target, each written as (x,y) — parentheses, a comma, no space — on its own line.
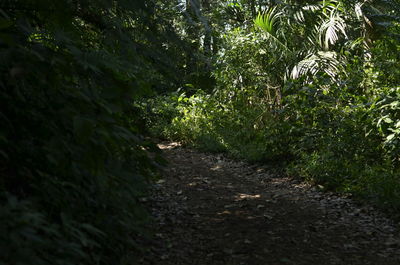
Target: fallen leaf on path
(269,217)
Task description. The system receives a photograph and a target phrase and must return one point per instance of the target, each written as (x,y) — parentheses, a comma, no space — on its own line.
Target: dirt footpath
(212,210)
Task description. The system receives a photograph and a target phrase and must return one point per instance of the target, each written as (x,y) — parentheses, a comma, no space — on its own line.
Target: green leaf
(5,23)
(388,120)
(268,21)
(83,128)
(390,137)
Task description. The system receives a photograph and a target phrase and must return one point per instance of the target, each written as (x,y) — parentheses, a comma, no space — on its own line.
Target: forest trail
(212,210)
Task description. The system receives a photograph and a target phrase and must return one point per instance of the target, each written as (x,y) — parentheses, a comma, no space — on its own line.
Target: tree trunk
(207,28)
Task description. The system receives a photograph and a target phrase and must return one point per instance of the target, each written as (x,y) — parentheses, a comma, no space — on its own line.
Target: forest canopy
(84,85)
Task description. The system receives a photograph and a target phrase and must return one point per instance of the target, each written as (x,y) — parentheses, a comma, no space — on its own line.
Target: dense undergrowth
(73,161)
(348,147)
(341,147)
(326,111)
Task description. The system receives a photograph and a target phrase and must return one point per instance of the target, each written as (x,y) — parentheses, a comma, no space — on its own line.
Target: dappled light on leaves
(309,87)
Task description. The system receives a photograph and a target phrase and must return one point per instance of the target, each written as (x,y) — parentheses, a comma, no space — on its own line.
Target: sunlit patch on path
(212,210)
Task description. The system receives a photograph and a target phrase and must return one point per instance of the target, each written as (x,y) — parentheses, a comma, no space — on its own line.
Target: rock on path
(212,210)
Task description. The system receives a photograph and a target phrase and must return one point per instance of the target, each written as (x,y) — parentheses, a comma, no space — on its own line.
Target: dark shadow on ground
(211,210)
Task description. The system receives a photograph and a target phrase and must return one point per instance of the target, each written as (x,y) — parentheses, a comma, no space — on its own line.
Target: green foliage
(73,164)
(218,123)
(29,237)
(312,86)
(389,123)
(268,21)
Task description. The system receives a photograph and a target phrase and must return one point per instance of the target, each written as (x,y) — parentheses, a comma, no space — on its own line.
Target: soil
(209,209)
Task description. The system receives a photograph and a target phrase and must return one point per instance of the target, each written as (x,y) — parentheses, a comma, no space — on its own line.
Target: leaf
(331,28)
(390,137)
(93,230)
(268,22)
(5,23)
(83,128)
(387,120)
(322,61)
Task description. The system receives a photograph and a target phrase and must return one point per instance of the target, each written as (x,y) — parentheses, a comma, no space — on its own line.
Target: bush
(73,165)
(329,137)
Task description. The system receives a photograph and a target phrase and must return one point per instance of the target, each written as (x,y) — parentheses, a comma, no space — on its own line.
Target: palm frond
(299,16)
(312,7)
(331,29)
(320,62)
(268,23)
